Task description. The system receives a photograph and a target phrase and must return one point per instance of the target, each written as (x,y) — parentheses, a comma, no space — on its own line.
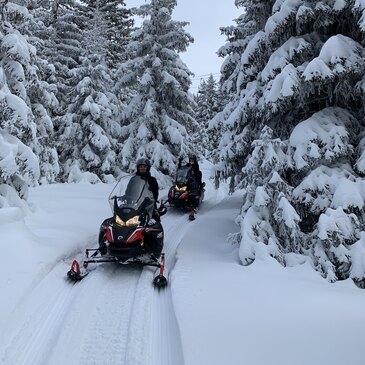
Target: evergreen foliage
(88,127)
(113,21)
(82,98)
(209,100)
(300,74)
(27,156)
(160,116)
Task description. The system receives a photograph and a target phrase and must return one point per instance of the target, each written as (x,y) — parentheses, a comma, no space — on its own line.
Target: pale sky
(205,17)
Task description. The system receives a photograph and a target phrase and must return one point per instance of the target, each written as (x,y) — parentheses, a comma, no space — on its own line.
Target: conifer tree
(160,115)
(88,138)
(302,75)
(115,24)
(208,103)
(245,57)
(41,92)
(268,215)
(210,100)
(63,47)
(248,25)
(19,165)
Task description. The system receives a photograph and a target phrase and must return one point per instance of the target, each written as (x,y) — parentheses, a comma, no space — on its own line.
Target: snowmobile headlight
(130,222)
(133,221)
(119,221)
(183,188)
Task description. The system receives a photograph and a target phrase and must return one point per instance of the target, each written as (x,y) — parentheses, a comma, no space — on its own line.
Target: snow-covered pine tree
(207,101)
(40,88)
(238,36)
(243,61)
(307,85)
(160,116)
(120,22)
(88,138)
(210,100)
(64,20)
(19,165)
(268,217)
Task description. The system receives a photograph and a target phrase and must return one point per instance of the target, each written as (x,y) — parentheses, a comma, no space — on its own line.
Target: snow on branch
(336,227)
(331,187)
(338,55)
(284,85)
(283,56)
(323,136)
(285,8)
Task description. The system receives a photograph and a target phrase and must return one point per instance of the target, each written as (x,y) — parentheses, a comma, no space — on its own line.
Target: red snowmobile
(134,235)
(186,193)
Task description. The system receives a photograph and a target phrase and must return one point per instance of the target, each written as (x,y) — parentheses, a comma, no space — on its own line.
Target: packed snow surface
(214,311)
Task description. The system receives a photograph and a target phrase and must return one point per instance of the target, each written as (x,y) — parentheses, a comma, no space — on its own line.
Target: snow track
(33,339)
(113,316)
(166,347)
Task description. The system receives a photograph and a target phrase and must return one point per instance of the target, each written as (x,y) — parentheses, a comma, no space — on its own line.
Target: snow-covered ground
(214,311)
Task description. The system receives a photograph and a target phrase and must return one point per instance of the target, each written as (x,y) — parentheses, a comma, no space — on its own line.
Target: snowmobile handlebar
(162,209)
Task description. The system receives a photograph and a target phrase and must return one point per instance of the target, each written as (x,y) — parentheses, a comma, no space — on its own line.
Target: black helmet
(192,159)
(143,161)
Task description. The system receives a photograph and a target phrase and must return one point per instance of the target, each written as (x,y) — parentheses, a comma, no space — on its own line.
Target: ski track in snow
(166,348)
(31,342)
(114,315)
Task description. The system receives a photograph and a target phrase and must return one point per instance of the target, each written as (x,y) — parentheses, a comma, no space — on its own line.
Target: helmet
(143,161)
(192,159)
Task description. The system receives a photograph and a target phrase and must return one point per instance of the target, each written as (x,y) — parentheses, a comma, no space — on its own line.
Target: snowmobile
(186,193)
(133,235)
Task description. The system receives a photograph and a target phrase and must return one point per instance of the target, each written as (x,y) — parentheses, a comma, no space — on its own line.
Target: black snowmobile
(186,193)
(134,235)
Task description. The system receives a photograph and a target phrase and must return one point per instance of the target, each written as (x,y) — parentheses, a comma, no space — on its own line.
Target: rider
(197,173)
(143,170)
(196,183)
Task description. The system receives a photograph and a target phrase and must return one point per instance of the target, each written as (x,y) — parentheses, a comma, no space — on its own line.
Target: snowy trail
(114,315)
(166,348)
(96,329)
(35,335)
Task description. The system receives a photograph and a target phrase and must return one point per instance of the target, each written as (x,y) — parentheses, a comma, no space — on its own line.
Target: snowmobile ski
(75,273)
(160,280)
(78,272)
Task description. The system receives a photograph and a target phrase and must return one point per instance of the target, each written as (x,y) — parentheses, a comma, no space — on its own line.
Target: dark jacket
(197,173)
(195,167)
(152,183)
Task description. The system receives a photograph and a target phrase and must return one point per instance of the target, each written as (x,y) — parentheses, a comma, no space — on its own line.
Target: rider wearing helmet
(143,169)
(197,173)
(195,168)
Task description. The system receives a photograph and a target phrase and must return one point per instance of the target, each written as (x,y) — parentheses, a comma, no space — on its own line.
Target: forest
(84,93)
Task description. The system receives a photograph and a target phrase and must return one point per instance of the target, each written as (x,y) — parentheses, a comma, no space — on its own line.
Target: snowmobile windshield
(183,175)
(131,195)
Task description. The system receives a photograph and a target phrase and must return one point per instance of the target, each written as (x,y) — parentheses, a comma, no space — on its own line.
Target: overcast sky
(205,17)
